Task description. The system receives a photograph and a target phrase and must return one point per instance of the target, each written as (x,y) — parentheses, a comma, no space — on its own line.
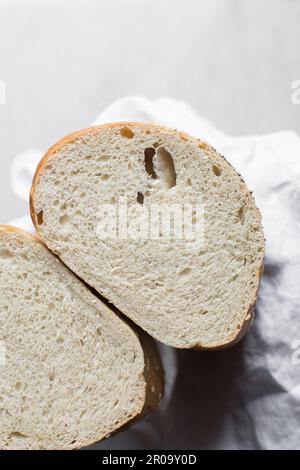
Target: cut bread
(72,372)
(185,292)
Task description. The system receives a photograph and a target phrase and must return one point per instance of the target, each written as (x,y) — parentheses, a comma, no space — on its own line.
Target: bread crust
(153,370)
(184,136)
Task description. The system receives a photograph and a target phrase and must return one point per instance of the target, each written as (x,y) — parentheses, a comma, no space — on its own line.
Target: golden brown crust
(71,138)
(153,370)
(154,377)
(204,146)
(4,228)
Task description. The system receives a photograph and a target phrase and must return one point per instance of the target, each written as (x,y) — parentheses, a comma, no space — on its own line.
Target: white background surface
(234,61)
(65,60)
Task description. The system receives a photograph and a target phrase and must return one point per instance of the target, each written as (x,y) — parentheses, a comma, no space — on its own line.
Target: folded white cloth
(246,397)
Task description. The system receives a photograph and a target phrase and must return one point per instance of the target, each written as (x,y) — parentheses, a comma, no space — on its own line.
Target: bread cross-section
(186,292)
(71,371)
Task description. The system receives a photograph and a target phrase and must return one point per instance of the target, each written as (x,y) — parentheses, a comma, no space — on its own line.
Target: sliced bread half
(192,286)
(71,371)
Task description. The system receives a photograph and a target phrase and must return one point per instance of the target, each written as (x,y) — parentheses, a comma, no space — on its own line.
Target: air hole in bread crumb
(188,182)
(105,176)
(149,154)
(5,254)
(103,158)
(216,170)
(140,198)
(51,376)
(204,312)
(126,132)
(156,144)
(185,272)
(18,386)
(241,215)
(40,217)
(17,435)
(64,219)
(165,168)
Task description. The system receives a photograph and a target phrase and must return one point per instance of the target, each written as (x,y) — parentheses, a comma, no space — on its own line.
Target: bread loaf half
(71,371)
(193,283)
